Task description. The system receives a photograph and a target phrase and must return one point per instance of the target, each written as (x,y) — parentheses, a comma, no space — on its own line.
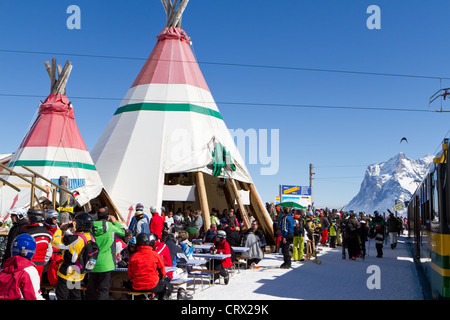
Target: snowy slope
(396,179)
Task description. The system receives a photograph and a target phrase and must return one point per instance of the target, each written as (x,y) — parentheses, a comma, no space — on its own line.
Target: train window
(435,199)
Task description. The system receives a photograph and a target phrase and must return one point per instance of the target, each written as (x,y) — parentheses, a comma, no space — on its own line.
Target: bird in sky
(404,139)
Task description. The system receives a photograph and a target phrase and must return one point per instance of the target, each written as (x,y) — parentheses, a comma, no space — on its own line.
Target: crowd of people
(295,229)
(90,249)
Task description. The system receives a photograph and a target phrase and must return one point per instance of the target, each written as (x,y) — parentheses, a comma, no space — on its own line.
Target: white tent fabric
(139,147)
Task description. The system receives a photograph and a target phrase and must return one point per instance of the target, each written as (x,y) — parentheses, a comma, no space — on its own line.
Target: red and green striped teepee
(167,123)
(53,147)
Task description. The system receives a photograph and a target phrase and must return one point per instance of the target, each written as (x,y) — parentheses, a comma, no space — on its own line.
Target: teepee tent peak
(173,13)
(58,84)
(53,150)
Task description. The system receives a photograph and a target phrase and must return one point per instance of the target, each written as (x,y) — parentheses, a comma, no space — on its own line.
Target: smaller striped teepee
(53,148)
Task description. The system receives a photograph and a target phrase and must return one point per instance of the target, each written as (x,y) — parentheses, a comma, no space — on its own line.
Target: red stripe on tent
(130,211)
(12,206)
(172,62)
(55,126)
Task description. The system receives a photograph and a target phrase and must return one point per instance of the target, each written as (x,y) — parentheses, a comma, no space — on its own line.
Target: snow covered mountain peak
(395,179)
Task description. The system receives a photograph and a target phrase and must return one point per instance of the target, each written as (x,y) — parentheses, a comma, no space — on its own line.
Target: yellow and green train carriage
(429,225)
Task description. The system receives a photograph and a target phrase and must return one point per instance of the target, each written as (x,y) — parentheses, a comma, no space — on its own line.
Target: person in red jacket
(221,246)
(163,250)
(19,278)
(42,236)
(146,269)
(156,223)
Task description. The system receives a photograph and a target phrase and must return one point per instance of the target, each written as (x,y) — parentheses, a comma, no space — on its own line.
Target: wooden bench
(148,294)
(202,273)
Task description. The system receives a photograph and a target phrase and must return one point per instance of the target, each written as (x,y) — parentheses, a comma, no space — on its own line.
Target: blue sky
(322,34)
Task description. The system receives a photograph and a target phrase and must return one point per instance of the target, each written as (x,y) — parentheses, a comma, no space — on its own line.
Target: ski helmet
(221,234)
(145,239)
(50,214)
(19,212)
(84,221)
(35,215)
(24,245)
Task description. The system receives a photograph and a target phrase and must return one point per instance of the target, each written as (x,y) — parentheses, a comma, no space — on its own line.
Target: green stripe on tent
(186,107)
(49,163)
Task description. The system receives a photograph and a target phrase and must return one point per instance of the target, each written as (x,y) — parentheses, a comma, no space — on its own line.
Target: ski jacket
(17,228)
(252,241)
(163,250)
(156,225)
(392,224)
(20,280)
(146,268)
(141,226)
(44,249)
(333,230)
(51,228)
(233,237)
(287,225)
(187,248)
(176,254)
(104,232)
(324,223)
(134,221)
(71,246)
(379,237)
(197,222)
(351,229)
(223,247)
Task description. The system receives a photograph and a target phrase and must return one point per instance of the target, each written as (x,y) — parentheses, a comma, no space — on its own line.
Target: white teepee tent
(167,141)
(52,148)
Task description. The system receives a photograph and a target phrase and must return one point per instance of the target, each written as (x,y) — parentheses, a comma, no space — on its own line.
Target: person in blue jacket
(287,237)
(139,208)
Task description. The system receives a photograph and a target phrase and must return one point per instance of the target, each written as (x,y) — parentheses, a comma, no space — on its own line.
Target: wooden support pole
(264,217)
(64,197)
(176,16)
(53,75)
(54,192)
(33,196)
(240,204)
(201,189)
(10,185)
(23,178)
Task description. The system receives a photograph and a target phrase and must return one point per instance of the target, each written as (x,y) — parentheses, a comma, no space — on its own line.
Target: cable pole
(311,182)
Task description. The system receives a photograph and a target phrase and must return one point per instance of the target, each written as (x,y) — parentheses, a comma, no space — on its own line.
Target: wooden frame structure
(231,191)
(103,197)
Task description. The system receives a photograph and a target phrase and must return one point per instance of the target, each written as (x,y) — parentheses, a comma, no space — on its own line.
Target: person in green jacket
(99,280)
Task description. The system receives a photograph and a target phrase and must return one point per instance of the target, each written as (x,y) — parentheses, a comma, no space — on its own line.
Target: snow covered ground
(392,277)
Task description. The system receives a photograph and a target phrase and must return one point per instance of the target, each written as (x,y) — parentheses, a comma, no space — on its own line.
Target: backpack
(88,256)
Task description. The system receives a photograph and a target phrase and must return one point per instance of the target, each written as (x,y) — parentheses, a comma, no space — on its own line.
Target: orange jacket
(145,268)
